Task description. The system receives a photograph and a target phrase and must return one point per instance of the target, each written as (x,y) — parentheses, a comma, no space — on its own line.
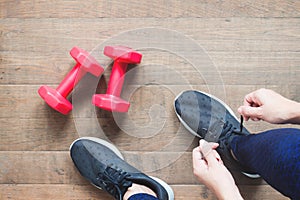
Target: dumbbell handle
(70,80)
(116,79)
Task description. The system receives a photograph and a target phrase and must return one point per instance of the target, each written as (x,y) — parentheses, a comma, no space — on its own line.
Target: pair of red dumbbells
(122,56)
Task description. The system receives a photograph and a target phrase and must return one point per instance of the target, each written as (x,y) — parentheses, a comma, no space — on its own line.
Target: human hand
(267,105)
(210,170)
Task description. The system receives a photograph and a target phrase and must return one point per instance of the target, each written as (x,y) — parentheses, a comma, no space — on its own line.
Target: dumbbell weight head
(123,54)
(110,102)
(86,61)
(57,98)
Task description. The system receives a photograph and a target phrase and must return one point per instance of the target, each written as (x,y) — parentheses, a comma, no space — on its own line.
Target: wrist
(294,113)
(231,194)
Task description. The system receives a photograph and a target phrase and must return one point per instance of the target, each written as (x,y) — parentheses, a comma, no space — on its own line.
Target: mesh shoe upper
(105,169)
(204,115)
(209,118)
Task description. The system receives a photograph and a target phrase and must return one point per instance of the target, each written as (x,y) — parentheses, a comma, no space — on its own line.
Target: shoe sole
(166,186)
(118,153)
(254,176)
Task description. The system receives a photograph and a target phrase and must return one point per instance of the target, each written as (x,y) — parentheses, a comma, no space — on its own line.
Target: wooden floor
(252,44)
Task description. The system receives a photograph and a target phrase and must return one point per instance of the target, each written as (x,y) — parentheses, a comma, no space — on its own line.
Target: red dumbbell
(122,56)
(57,98)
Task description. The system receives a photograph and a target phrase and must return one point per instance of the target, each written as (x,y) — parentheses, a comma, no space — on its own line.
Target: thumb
(251,112)
(207,150)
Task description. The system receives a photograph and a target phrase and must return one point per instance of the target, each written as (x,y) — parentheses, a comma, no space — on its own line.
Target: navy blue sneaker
(209,118)
(103,165)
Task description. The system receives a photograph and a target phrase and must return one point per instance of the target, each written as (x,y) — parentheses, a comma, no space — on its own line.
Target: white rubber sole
(254,176)
(166,186)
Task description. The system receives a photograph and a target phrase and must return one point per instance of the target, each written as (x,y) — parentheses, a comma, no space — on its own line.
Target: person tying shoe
(274,154)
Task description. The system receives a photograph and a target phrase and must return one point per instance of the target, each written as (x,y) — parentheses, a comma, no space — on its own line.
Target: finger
(255,119)
(205,147)
(214,145)
(251,112)
(217,155)
(219,159)
(197,156)
(255,105)
(207,151)
(249,99)
(200,168)
(253,99)
(198,160)
(197,153)
(240,110)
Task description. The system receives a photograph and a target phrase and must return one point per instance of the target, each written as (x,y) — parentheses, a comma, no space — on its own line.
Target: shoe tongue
(115,181)
(214,131)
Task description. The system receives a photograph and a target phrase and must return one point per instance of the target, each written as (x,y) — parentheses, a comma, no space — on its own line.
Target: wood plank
(158,73)
(159,9)
(69,191)
(88,192)
(43,134)
(213,34)
(168,69)
(35,135)
(51,191)
(23,101)
(27,123)
(56,167)
(31,65)
(58,64)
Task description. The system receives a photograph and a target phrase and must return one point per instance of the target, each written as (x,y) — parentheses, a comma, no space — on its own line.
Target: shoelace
(228,130)
(241,123)
(114,181)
